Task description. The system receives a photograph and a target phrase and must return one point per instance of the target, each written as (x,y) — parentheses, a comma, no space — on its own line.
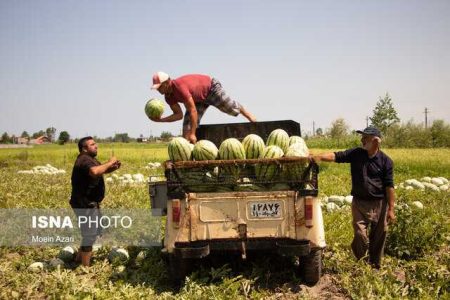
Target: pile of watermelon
(251,177)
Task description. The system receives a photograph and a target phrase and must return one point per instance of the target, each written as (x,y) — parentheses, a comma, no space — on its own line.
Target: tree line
(64,137)
(396,134)
(384,116)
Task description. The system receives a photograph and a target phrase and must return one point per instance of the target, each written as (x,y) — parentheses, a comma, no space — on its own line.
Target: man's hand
(155,119)
(114,164)
(192,138)
(391,215)
(110,166)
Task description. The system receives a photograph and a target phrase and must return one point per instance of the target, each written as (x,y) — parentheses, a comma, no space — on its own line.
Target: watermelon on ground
(36,267)
(118,256)
(67,254)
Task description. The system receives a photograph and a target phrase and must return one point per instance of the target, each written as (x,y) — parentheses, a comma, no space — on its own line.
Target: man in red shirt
(197,92)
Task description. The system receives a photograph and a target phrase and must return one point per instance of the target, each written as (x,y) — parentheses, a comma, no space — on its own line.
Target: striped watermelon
(266,172)
(231,149)
(295,139)
(294,171)
(279,138)
(154,108)
(179,149)
(205,150)
(198,181)
(253,145)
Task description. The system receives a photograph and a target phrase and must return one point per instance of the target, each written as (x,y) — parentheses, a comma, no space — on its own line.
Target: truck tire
(179,268)
(311,267)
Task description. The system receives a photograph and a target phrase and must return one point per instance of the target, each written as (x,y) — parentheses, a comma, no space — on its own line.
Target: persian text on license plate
(265,209)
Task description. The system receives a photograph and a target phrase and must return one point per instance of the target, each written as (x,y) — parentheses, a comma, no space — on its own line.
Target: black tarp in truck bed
(217,133)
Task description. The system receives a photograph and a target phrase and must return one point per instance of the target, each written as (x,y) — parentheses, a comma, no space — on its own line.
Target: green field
(416,264)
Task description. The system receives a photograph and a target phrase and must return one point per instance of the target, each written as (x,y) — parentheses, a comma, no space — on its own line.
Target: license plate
(265,209)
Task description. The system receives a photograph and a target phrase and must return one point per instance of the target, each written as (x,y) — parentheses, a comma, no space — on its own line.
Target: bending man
(197,92)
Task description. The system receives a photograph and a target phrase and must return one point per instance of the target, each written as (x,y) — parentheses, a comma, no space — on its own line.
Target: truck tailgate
(265,214)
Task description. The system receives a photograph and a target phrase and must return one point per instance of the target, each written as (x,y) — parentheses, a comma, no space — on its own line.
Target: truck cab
(207,211)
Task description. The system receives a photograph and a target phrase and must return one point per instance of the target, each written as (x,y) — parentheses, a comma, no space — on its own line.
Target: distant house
(40,140)
(20,140)
(141,140)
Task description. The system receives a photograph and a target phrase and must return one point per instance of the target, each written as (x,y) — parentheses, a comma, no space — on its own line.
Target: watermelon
(141,257)
(179,149)
(67,254)
(118,256)
(294,171)
(198,181)
(418,204)
(231,149)
(280,187)
(279,138)
(205,150)
(437,181)
(154,108)
(266,172)
(36,267)
(253,146)
(56,264)
(248,188)
(295,139)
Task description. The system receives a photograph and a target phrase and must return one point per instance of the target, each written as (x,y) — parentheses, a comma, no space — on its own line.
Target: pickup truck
(243,214)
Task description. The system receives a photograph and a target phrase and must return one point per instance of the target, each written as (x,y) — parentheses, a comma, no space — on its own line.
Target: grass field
(416,264)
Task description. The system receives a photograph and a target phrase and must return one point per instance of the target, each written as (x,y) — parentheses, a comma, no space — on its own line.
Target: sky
(86,66)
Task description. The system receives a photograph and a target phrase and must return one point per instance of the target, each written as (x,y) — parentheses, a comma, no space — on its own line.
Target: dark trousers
(370,228)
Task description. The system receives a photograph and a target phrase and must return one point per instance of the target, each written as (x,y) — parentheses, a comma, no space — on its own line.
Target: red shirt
(196,86)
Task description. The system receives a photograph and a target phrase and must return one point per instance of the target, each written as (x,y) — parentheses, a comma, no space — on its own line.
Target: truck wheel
(179,268)
(311,267)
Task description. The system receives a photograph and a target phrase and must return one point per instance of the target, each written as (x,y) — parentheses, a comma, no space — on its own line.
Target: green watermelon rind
(280,138)
(179,149)
(154,108)
(253,146)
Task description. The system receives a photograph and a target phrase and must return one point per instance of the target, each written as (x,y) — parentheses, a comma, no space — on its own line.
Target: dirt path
(326,288)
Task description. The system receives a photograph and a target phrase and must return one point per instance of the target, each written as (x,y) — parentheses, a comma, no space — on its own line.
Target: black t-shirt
(370,176)
(86,190)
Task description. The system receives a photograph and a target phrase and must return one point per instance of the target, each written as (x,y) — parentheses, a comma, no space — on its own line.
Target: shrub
(415,233)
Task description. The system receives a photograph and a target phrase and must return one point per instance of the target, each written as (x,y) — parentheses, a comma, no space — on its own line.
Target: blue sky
(86,66)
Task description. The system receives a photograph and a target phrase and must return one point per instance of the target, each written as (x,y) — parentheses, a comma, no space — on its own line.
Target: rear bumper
(200,249)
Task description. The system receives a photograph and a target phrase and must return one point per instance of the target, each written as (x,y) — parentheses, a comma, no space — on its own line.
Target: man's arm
(192,110)
(108,167)
(390,193)
(328,157)
(175,116)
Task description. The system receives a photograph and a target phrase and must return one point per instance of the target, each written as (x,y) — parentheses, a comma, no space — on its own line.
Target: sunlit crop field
(424,234)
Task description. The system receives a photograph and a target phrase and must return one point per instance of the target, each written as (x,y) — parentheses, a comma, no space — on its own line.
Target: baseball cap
(158,78)
(370,131)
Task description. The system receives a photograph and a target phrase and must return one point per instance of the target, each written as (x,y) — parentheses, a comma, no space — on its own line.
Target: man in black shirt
(373,193)
(88,190)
